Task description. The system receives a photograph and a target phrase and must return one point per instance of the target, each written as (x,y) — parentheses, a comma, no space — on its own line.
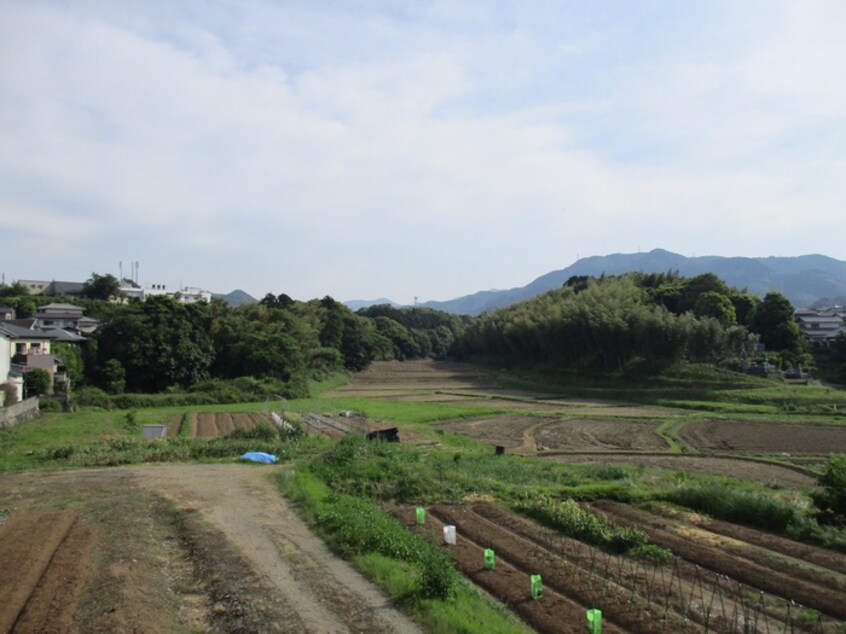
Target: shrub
(830,498)
(37,382)
(92,397)
(49,405)
(570,519)
(735,505)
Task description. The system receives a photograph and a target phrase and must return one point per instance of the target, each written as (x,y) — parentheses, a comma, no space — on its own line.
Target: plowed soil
(45,559)
(531,434)
(760,562)
(715,586)
(200,548)
(758,437)
(214,424)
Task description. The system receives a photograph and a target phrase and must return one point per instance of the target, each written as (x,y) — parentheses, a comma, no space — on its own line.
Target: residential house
(6,313)
(29,348)
(820,326)
(6,360)
(64,316)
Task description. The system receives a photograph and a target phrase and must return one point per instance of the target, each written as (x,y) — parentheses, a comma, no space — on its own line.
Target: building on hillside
(64,316)
(192,294)
(131,289)
(53,288)
(820,326)
(6,313)
(186,295)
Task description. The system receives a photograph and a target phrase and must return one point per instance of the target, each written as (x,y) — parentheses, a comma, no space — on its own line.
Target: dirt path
(178,547)
(325,592)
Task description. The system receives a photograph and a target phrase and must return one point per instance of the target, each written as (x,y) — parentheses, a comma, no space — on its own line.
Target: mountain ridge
(803,279)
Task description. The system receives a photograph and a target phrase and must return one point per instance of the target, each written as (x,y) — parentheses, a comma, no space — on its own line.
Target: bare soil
(214,424)
(532,434)
(761,437)
(204,548)
(746,469)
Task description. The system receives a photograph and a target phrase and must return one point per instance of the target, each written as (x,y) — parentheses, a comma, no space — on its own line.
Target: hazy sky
(364,149)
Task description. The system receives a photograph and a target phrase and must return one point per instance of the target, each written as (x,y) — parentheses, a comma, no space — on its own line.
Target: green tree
(774,322)
(744,306)
(160,343)
(13,290)
(113,377)
(833,359)
(716,305)
(830,498)
(25,307)
(103,287)
(71,356)
(37,382)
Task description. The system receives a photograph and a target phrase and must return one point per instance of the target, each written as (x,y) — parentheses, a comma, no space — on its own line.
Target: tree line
(635,321)
(638,321)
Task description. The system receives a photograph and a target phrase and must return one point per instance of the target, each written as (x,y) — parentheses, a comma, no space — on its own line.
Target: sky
(429,150)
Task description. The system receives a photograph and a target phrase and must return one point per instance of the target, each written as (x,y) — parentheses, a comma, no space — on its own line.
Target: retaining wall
(19,412)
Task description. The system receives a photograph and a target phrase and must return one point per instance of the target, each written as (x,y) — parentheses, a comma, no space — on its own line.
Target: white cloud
(429,150)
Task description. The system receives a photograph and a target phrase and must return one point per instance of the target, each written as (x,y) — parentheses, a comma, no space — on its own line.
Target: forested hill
(803,279)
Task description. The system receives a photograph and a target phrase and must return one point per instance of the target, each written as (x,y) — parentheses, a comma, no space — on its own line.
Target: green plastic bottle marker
(594,619)
(537,587)
(421,515)
(490,560)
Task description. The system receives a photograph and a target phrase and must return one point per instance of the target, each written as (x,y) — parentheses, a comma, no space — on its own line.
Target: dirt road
(326,593)
(201,548)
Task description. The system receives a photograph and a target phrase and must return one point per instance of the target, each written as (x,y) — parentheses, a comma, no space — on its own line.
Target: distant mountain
(236,298)
(356,304)
(804,279)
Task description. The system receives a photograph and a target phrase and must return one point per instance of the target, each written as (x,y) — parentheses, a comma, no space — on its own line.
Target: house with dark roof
(6,312)
(64,316)
(29,348)
(820,326)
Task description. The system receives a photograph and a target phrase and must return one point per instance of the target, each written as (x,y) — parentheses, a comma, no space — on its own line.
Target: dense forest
(640,322)
(631,323)
(273,347)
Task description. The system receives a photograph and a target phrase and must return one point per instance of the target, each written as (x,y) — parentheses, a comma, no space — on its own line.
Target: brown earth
(746,469)
(762,567)
(704,591)
(214,424)
(531,434)
(174,548)
(45,559)
(760,437)
(613,433)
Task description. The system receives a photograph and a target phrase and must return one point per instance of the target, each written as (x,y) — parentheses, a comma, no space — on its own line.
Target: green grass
(663,431)
(396,411)
(416,575)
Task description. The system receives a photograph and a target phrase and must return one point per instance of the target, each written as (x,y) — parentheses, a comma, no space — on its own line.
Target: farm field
(704,590)
(586,431)
(739,436)
(225,551)
(214,424)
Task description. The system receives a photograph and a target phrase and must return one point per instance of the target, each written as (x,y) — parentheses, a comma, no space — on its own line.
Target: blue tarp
(259,456)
